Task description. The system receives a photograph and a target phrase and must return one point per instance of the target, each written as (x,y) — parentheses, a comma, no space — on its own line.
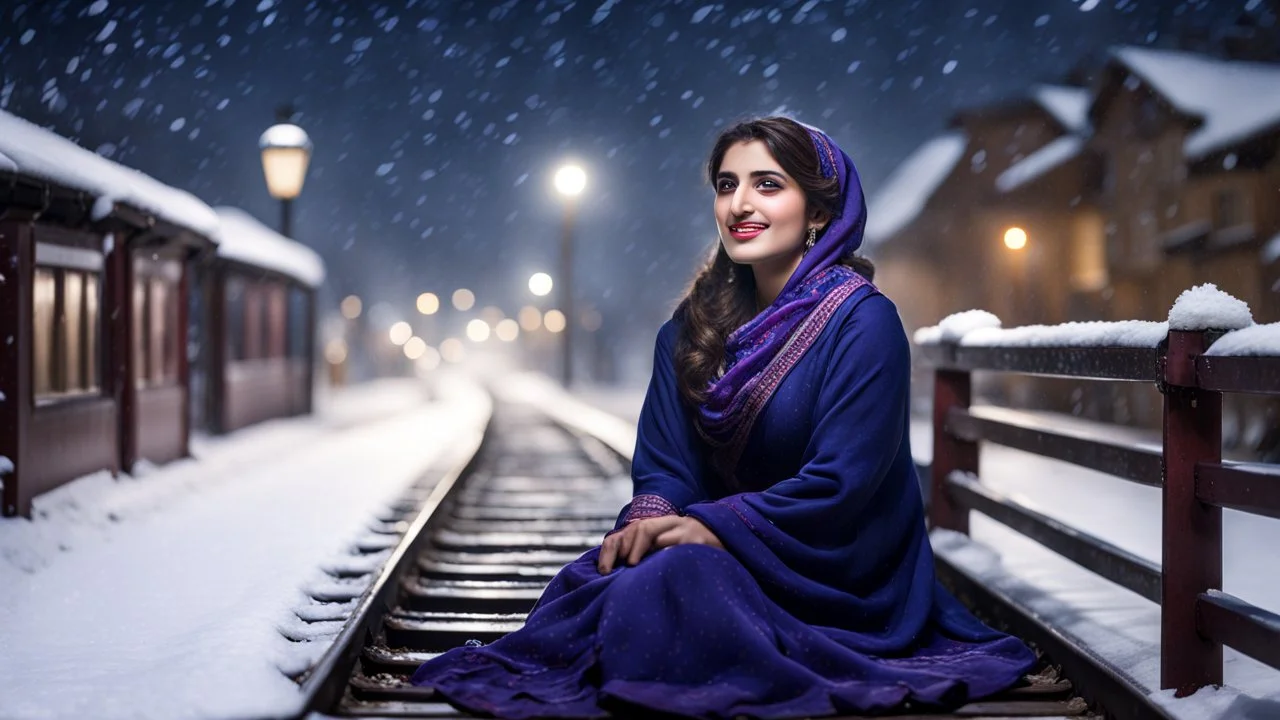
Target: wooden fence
(1196,617)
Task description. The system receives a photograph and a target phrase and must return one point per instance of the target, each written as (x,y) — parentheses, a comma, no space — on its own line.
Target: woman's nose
(741,206)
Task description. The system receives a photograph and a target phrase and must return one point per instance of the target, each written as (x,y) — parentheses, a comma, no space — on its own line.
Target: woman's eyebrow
(753,174)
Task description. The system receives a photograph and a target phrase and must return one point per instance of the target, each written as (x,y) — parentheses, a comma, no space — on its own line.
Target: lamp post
(570,181)
(286,151)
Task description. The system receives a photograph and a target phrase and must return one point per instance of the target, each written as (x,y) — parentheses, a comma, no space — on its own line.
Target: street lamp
(286,151)
(570,181)
(1015,238)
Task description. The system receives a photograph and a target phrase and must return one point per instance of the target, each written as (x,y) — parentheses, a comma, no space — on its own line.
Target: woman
(773,561)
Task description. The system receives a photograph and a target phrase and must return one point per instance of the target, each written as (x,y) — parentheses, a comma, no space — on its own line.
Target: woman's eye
(724,186)
(769,185)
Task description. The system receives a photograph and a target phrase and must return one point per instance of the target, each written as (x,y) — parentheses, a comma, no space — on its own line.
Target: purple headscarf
(759,354)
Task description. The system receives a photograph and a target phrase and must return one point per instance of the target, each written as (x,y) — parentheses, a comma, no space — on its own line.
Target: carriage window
(156,332)
(44,294)
(65,333)
(297,323)
(72,329)
(141,331)
(235,311)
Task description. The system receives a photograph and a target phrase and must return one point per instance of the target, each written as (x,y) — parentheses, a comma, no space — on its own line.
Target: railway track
(478,549)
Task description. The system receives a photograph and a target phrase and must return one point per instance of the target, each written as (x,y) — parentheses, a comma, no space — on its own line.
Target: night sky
(437,125)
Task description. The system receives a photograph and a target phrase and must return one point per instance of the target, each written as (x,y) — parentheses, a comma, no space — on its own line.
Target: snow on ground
(167,594)
(1122,626)
(241,237)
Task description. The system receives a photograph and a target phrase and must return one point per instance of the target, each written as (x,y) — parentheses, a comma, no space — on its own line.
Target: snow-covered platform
(172,593)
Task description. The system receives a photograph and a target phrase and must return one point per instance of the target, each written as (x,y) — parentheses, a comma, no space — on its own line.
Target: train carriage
(92,369)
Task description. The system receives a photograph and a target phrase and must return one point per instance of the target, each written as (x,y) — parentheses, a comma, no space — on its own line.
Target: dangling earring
(813,238)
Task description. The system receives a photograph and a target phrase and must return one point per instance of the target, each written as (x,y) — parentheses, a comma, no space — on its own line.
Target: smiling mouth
(746,231)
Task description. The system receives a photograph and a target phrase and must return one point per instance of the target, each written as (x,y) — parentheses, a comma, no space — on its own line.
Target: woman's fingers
(668,538)
(640,546)
(609,553)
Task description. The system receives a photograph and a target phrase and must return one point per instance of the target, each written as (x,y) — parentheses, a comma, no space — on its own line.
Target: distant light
(592,320)
(452,350)
(351,307)
(507,330)
(400,333)
(492,315)
(554,320)
(414,348)
(530,318)
(335,352)
(570,180)
(540,284)
(464,299)
(428,303)
(429,361)
(477,330)
(1015,238)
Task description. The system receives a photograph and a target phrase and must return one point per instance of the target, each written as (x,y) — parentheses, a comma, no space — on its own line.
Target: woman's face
(759,209)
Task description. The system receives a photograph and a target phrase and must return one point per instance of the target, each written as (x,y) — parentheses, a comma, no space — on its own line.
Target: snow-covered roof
(910,186)
(1234,99)
(34,151)
(1039,162)
(241,237)
(1068,105)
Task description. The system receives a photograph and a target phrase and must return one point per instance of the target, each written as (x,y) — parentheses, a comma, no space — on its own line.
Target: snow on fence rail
(1209,346)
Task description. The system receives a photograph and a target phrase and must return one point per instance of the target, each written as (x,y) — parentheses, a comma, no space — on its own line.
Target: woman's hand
(630,545)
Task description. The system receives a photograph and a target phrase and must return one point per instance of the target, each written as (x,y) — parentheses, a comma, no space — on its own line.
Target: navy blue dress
(824,600)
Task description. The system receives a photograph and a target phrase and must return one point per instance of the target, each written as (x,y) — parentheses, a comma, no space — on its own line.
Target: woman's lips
(746,231)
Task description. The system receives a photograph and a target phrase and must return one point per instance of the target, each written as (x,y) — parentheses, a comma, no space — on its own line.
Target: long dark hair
(722,296)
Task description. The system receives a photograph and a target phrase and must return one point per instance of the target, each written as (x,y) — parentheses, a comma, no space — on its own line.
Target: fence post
(1192,531)
(951,388)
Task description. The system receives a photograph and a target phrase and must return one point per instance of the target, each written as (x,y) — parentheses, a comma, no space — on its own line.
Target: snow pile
(1205,307)
(181,592)
(955,326)
(906,191)
(1068,105)
(1236,100)
(1257,340)
(1039,162)
(42,154)
(1124,333)
(241,237)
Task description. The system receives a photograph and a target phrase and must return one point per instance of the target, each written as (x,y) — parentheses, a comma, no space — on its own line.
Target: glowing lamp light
(540,284)
(477,330)
(452,350)
(400,333)
(464,299)
(507,330)
(554,321)
(351,307)
(530,318)
(335,352)
(286,152)
(1015,238)
(414,348)
(428,303)
(570,180)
